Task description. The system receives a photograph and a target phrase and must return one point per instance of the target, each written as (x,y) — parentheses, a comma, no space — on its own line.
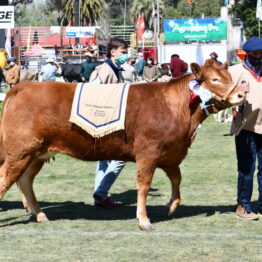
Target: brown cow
(158,131)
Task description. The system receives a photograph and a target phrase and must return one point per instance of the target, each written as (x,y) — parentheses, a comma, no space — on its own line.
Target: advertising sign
(7,17)
(88,31)
(195,29)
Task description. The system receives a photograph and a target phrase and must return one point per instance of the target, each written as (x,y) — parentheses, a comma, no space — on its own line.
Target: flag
(8,42)
(259,10)
(140,27)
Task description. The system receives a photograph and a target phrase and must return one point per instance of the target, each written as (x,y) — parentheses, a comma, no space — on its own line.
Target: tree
(145,8)
(199,8)
(17,2)
(246,11)
(90,10)
(35,15)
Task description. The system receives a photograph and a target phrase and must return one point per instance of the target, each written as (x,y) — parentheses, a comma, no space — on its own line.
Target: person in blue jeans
(247,125)
(109,72)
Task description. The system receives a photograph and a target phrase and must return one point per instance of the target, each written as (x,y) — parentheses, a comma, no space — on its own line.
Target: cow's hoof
(172,206)
(146,227)
(42,218)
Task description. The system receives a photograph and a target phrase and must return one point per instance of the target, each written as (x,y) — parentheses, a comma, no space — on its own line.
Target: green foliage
(198,9)
(116,11)
(17,2)
(145,8)
(35,15)
(246,11)
(90,10)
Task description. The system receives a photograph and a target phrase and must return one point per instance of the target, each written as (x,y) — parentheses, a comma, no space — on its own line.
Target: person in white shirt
(49,71)
(129,72)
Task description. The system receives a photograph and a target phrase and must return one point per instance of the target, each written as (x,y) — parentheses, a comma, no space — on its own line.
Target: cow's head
(218,81)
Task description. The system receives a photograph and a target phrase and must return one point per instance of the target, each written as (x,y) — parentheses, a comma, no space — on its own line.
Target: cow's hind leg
(10,172)
(145,171)
(25,184)
(174,175)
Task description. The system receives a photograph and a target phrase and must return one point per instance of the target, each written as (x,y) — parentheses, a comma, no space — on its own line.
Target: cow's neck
(197,118)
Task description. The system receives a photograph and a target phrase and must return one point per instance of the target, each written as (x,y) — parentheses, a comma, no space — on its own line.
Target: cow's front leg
(145,171)
(174,175)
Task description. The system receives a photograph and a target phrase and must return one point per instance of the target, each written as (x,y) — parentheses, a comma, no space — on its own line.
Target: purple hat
(253,44)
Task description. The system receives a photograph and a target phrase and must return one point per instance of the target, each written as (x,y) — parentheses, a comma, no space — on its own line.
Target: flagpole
(259,15)
(258,28)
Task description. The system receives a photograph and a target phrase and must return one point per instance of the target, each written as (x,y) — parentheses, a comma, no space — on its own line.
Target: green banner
(195,29)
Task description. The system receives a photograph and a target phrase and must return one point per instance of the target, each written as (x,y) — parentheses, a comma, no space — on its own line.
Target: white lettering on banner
(84,31)
(6,17)
(194,28)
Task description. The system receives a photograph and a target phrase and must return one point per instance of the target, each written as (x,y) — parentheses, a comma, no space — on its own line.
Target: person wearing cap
(87,67)
(110,72)
(13,72)
(214,57)
(48,72)
(247,126)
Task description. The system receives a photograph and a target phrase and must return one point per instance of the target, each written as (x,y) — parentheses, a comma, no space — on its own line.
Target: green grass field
(204,228)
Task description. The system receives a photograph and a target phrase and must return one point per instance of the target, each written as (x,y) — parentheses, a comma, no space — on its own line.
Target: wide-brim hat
(88,54)
(50,60)
(253,44)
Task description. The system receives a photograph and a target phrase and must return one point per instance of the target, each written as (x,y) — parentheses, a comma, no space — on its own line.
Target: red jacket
(178,67)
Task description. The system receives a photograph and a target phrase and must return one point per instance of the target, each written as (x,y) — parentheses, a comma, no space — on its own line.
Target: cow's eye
(215,80)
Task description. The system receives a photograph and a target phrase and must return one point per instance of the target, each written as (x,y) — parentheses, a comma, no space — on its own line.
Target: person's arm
(81,73)
(184,67)
(135,78)
(145,74)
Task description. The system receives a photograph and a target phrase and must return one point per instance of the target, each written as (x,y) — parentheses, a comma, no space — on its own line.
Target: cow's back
(151,118)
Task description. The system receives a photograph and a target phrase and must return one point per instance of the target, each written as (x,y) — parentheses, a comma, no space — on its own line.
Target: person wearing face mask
(151,71)
(13,72)
(108,73)
(129,72)
(247,126)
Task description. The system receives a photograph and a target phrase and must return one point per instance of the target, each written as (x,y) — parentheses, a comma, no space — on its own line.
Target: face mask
(254,61)
(12,63)
(121,59)
(149,62)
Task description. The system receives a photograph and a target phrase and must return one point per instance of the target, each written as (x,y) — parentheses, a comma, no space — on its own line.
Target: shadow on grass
(127,210)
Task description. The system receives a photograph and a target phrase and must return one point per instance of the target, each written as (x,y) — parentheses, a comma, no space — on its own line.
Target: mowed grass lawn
(204,228)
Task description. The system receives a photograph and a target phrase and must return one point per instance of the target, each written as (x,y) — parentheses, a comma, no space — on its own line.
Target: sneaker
(242,213)
(259,213)
(104,201)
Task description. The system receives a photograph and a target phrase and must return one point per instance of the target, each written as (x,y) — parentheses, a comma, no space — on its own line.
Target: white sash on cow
(99,109)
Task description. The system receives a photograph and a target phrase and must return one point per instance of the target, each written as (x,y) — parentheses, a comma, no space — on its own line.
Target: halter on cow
(158,131)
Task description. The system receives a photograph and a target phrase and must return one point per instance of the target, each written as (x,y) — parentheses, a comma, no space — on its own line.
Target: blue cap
(253,44)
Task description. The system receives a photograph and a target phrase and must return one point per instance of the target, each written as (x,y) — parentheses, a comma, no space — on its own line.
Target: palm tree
(90,10)
(145,8)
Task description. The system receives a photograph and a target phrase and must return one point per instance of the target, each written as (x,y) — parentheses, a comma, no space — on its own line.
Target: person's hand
(83,79)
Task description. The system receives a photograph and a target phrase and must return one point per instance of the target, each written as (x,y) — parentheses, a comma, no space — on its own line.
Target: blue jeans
(248,149)
(106,173)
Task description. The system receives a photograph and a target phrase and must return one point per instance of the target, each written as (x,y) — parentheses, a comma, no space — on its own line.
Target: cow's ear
(225,65)
(196,70)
